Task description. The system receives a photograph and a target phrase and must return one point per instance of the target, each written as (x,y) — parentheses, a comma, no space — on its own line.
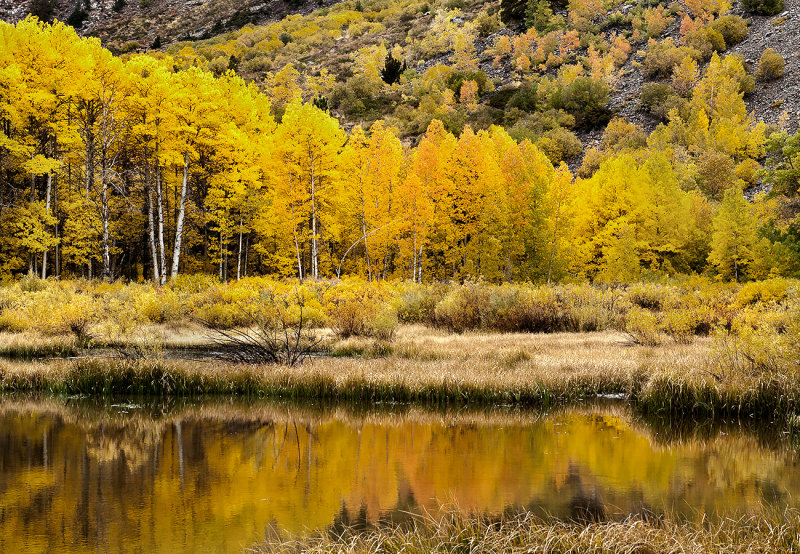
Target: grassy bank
(438,368)
(453,532)
(691,348)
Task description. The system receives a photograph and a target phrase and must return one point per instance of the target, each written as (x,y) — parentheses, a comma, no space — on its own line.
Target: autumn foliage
(147,168)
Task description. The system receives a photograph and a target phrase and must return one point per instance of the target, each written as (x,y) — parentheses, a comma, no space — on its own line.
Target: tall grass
(453,531)
(436,369)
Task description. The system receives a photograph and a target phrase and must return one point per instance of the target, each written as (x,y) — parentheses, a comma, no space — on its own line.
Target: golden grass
(436,368)
(452,531)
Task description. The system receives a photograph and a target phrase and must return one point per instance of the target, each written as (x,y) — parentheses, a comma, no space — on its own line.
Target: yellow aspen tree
(431,161)
(307,145)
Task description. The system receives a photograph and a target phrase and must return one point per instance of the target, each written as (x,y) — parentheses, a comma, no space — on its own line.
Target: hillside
(135,24)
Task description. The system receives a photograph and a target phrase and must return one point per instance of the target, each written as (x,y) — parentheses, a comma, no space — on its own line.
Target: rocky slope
(135,24)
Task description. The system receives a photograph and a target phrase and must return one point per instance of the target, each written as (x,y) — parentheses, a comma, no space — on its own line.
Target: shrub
(458,78)
(526,98)
(771,290)
(357,309)
(770,66)
(705,41)
(732,28)
(392,70)
(78,16)
(31,283)
(680,325)
(662,57)
(419,304)
(13,320)
(659,99)
(642,327)
(763,7)
(560,144)
(586,99)
(487,24)
(276,331)
(462,308)
(43,9)
(649,297)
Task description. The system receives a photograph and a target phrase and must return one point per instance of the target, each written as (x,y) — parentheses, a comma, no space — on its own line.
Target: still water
(218,476)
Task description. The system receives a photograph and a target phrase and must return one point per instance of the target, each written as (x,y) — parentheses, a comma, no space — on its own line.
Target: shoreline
(432,368)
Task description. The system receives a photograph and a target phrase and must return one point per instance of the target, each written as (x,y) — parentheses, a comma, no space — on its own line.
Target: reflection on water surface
(214,476)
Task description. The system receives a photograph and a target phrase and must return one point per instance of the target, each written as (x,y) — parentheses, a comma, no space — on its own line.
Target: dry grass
(451,531)
(436,368)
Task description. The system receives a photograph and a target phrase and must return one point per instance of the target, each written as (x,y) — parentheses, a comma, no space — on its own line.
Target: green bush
(43,9)
(458,78)
(487,24)
(78,16)
(770,66)
(419,304)
(763,7)
(526,98)
(586,99)
(706,41)
(659,99)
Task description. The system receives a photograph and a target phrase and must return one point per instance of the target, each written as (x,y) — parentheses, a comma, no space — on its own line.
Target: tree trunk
(104,212)
(221,275)
(366,247)
(47,210)
(246,253)
(57,260)
(553,248)
(89,160)
(152,232)
(239,261)
(314,251)
(176,254)
(160,205)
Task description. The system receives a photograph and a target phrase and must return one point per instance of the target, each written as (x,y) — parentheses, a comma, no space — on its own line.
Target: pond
(219,475)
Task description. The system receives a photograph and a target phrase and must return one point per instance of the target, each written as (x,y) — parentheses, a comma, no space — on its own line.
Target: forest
(146,166)
(291,279)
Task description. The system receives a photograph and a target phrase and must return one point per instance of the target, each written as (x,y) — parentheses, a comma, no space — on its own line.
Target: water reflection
(220,475)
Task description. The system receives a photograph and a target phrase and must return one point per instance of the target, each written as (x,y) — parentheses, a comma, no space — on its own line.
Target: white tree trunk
(160,205)
(151,228)
(239,260)
(314,251)
(176,254)
(105,215)
(47,210)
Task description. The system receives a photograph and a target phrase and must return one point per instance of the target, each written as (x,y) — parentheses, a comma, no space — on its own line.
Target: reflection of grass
(451,531)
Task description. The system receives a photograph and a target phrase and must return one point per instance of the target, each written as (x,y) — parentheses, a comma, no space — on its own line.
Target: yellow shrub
(13,320)
(770,290)
(680,325)
(642,327)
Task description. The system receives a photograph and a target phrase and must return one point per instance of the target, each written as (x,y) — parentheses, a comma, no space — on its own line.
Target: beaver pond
(217,475)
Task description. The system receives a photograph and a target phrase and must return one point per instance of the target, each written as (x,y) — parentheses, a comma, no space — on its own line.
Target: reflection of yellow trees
(218,476)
